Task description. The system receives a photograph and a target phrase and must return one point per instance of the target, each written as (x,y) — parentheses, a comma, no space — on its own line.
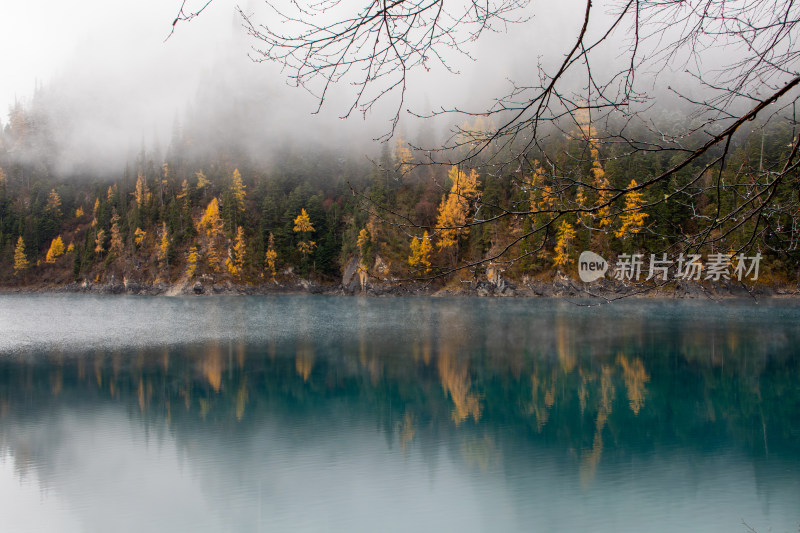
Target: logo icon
(591,267)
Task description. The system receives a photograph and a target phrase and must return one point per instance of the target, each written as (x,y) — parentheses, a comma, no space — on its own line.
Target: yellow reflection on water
(635,377)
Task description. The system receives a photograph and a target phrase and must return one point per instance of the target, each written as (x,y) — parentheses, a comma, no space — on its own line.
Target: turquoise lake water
(321,413)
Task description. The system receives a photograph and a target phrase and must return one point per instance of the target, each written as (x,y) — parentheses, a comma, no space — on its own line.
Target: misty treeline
(180,214)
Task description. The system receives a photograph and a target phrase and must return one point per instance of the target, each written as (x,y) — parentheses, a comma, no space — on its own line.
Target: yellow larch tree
(633,216)
(191,262)
(79,212)
(303,226)
(271,257)
(363,239)
(94,211)
(362,242)
(306,247)
(211,223)
(302,223)
(535,184)
(56,250)
(420,253)
(20,259)
(603,187)
(202,180)
(235,261)
(600,182)
(210,226)
(138,236)
(141,194)
(455,206)
(116,247)
(585,128)
(184,194)
(163,182)
(54,203)
(238,191)
(402,155)
(564,239)
(99,241)
(163,246)
(580,200)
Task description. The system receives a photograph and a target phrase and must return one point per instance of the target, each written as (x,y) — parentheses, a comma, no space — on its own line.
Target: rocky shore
(605,289)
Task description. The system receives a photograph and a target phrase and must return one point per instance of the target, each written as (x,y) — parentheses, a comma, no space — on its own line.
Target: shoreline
(604,290)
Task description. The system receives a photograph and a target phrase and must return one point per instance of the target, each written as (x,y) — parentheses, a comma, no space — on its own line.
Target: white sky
(41,39)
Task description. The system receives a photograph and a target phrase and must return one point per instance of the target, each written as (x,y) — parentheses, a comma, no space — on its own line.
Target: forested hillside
(180,213)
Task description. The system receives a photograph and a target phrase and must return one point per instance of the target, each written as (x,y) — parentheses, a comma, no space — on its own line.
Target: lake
(322,413)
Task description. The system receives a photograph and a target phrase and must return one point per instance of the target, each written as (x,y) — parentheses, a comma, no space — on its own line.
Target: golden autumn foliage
(235,262)
(202,180)
(599,180)
(420,253)
(191,262)
(141,194)
(211,223)
(633,216)
(184,194)
(210,226)
(580,200)
(306,247)
(138,236)
(455,206)
(363,238)
(56,250)
(95,210)
(79,212)
(54,203)
(271,257)
(237,190)
(602,185)
(535,185)
(116,247)
(20,259)
(564,240)
(163,245)
(99,241)
(402,155)
(302,224)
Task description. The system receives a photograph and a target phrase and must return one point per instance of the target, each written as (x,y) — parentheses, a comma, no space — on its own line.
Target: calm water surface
(306,413)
